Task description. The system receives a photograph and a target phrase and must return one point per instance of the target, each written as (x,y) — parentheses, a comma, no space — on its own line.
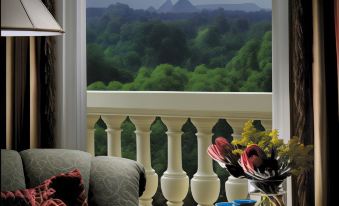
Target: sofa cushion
(115,181)
(41,164)
(12,173)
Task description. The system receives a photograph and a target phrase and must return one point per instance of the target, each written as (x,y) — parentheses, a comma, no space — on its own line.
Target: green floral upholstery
(109,180)
(115,181)
(12,172)
(41,164)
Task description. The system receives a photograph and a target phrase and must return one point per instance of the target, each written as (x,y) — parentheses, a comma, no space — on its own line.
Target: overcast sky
(144,4)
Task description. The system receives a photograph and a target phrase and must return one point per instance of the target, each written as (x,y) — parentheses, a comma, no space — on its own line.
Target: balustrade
(142,108)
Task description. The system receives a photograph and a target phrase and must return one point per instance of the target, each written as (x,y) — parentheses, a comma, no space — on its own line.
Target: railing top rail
(182,104)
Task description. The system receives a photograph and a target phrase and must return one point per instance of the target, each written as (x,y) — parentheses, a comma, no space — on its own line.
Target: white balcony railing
(174,108)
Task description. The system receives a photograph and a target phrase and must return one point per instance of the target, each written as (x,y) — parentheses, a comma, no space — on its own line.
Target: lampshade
(27,18)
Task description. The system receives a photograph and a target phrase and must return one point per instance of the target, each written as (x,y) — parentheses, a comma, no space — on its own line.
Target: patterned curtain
(20,93)
(314,96)
(301,91)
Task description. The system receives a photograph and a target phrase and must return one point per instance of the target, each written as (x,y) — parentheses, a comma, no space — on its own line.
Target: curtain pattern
(21,90)
(301,91)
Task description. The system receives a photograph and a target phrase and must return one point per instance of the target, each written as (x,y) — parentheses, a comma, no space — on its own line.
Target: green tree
(97,86)
(166,77)
(114,85)
(205,79)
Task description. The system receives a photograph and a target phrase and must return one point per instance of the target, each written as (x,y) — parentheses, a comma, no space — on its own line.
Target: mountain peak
(248,7)
(184,6)
(166,7)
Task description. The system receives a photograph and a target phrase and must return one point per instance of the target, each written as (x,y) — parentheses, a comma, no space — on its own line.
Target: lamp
(27,18)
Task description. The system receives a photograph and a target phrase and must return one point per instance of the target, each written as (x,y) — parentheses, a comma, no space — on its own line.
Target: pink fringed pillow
(61,190)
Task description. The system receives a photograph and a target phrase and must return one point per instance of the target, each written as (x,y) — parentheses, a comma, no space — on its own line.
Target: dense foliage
(206,51)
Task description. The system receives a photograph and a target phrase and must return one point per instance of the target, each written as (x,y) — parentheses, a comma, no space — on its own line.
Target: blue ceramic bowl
(244,202)
(224,204)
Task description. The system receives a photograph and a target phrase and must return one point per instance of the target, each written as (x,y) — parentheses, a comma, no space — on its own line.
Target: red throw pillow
(61,190)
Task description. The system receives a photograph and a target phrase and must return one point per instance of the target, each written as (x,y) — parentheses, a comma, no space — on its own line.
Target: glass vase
(268,192)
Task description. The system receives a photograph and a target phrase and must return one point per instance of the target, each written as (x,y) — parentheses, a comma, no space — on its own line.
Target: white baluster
(113,131)
(91,121)
(205,184)
(143,124)
(174,182)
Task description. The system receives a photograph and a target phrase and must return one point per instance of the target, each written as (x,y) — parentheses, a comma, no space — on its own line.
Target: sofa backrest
(41,164)
(12,173)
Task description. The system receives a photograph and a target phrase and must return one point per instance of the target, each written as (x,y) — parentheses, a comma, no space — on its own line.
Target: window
(153,47)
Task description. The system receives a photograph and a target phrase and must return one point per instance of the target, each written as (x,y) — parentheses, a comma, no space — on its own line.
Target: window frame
(280,75)
(71,128)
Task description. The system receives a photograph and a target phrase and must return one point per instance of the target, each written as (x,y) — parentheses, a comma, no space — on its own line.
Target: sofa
(107,180)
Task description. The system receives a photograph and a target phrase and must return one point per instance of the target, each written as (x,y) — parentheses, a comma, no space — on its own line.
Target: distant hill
(230,7)
(95,12)
(184,6)
(166,7)
(151,9)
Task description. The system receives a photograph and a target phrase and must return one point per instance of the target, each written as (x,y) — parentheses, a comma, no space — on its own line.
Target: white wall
(71,75)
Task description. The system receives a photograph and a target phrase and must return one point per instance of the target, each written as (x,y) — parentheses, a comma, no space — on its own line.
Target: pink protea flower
(217,151)
(252,158)
(222,152)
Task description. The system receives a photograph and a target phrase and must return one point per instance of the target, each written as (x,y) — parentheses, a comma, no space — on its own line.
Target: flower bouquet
(264,159)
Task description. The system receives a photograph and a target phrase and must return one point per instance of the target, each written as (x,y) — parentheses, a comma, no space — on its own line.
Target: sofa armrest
(115,181)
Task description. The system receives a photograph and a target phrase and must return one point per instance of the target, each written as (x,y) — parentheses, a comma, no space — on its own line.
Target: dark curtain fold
(46,84)
(336,16)
(331,82)
(21,94)
(301,98)
(47,89)
(3,92)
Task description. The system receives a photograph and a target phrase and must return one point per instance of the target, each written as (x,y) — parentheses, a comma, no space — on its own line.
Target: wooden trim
(33,95)
(9,91)
(319,101)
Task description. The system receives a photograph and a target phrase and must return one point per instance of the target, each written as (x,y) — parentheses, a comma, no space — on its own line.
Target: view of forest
(188,49)
(215,50)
